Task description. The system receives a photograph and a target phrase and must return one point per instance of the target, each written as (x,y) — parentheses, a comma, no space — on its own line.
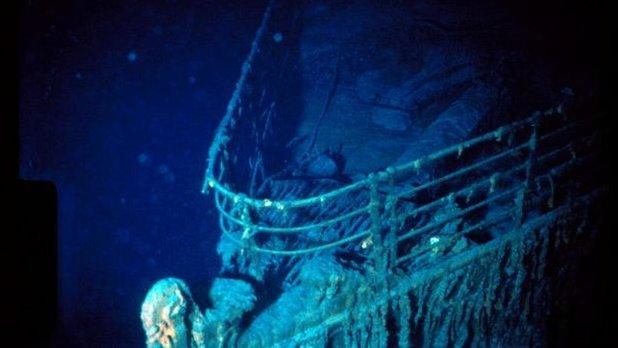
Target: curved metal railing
(228,202)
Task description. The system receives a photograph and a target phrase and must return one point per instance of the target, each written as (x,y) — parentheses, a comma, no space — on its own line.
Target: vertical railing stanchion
(391,237)
(247,233)
(521,200)
(376,223)
(390,212)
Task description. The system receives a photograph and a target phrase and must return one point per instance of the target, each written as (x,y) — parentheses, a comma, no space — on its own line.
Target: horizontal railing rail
(497,135)
(412,281)
(237,222)
(513,210)
(226,231)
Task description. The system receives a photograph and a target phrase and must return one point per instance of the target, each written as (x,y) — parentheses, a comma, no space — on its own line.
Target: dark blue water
(118,103)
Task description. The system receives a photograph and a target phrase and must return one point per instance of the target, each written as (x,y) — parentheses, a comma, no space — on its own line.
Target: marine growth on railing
(487,182)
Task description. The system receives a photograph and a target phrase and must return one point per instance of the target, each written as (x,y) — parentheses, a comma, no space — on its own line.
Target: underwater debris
(170,317)
(278,37)
(132,56)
